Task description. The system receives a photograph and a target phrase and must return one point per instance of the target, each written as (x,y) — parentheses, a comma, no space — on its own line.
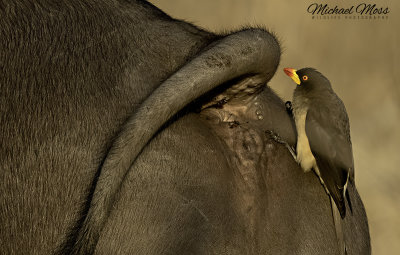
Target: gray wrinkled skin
(75,78)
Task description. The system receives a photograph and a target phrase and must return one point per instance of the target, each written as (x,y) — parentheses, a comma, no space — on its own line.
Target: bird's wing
(329,136)
(330,143)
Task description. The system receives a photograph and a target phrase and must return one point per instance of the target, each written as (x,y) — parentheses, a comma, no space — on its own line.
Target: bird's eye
(305,77)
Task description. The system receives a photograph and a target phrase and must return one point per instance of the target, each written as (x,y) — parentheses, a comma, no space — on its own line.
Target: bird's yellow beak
(292,74)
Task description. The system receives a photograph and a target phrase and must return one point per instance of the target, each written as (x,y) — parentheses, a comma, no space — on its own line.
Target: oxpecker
(323,135)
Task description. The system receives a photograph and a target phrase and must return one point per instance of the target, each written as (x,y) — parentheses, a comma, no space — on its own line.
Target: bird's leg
(278,139)
(289,108)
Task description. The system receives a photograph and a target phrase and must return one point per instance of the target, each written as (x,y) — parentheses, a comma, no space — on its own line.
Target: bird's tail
(337,219)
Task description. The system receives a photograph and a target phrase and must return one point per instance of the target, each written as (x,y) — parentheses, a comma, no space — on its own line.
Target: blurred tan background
(360,58)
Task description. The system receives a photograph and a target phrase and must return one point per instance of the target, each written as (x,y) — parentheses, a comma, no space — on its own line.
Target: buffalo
(125,131)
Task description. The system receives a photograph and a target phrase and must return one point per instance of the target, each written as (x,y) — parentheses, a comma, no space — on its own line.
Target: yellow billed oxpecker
(323,135)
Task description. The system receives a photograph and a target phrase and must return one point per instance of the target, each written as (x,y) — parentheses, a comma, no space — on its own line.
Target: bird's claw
(289,108)
(278,139)
(275,136)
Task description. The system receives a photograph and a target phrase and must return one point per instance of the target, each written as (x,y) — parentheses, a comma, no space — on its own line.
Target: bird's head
(308,79)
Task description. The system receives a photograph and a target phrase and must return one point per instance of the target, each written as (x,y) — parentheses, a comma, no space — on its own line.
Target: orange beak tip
(288,71)
(292,74)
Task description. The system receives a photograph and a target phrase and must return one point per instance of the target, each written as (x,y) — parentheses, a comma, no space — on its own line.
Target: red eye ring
(305,77)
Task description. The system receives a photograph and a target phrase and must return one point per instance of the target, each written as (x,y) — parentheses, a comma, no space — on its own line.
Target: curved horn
(252,51)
